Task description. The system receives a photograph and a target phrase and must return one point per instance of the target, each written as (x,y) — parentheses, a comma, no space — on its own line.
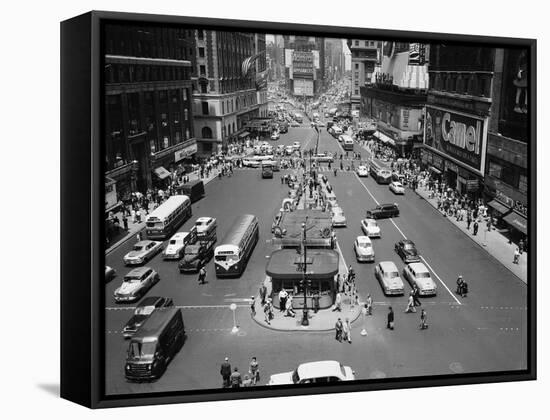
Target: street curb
(472,239)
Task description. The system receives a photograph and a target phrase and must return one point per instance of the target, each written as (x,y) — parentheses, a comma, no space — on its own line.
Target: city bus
(231,257)
(347,142)
(380,171)
(168,217)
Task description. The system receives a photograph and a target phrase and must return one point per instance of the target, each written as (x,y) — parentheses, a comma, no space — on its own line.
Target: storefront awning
(517,221)
(434,169)
(498,206)
(383,138)
(161,172)
(244,134)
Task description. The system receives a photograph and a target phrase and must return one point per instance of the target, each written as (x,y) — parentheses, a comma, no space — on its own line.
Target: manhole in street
(377,374)
(456,367)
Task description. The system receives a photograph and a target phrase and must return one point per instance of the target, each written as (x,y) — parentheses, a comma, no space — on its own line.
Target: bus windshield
(226,257)
(155,225)
(138,350)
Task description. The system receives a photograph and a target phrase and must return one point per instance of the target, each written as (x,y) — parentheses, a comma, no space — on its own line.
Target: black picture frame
(82,254)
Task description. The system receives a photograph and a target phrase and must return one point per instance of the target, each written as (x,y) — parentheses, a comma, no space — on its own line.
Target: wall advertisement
(303,87)
(460,137)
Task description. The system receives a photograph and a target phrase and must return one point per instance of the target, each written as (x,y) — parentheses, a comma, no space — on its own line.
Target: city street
(484,332)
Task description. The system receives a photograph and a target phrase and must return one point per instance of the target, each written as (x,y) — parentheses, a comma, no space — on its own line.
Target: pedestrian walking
(339,327)
(283,295)
(516,256)
(288,307)
(263,293)
(410,304)
(521,246)
(347,331)
(416,294)
(390,324)
(202,276)
(369,304)
(235,378)
(423,320)
(254,371)
(138,236)
(338,303)
(459,285)
(476,227)
(268,312)
(252,306)
(125,221)
(225,371)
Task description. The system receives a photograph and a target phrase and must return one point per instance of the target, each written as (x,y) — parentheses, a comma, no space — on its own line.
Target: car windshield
(373,224)
(423,275)
(137,350)
(295,377)
(145,310)
(408,246)
(131,279)
(391,274)
(192,249)
(172,242)
(139,247)
(365,244)
(201,223)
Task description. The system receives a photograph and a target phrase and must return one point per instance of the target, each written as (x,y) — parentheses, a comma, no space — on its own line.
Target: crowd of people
(232,378)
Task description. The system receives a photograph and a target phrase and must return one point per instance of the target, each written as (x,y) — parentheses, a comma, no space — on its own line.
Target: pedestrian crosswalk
(319,169)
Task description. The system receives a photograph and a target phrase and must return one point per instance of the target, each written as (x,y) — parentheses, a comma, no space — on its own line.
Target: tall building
(457,115)
(334,59)
(304,65)
(148,105)
(506,170)
(227,94)
(395,96)
(275,56)
(364,56)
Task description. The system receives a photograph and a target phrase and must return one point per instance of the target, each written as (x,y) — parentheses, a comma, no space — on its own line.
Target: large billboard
(303,87)
(458,136)
(302,64)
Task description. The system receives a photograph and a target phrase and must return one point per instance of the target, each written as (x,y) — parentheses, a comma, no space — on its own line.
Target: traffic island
(322,320)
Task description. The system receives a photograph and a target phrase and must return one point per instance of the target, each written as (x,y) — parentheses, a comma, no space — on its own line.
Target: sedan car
(289,150)
(338,217)
(406,249)
(382,211)
(370,228)
(143,310)
(323,157)
(364,251)
(110,273)
(135,284)
(418,275)
(362,170)
(206,226)
(275,136)
(314,373)
(142,252)
(176,244)
(387,274)
(397,188)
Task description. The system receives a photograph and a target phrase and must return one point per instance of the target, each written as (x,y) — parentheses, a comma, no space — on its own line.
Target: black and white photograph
(302,210)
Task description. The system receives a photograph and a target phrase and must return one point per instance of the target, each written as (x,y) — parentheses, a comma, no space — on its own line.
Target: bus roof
(347,137)
(166,208)
(235,235)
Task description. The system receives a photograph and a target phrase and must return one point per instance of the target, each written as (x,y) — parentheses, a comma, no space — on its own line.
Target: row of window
(508,174)
(231,105)
(467,83)
(136,73)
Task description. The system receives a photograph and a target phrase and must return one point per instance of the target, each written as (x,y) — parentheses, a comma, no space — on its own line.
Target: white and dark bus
(347,142)
(167,218)
(380,171)
(231,257)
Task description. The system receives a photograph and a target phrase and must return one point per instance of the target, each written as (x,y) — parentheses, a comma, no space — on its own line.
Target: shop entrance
(140,154)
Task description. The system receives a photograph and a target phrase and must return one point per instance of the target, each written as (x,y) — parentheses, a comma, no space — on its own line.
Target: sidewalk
(134,228)
(494,242)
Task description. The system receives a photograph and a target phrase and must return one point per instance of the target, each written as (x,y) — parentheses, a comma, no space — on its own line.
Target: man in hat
(252,306)
(459,285)
(225,371)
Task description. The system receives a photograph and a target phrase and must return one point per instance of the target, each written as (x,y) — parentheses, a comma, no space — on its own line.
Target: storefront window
(495,169)
(165,142)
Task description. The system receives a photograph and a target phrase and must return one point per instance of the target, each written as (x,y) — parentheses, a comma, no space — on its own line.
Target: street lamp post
(305,319)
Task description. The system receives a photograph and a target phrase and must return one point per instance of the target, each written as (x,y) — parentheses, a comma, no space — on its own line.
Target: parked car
(387,274)
(323,157)
(314,373)
(197,255)
(406,249)
(383,211)
(397,188)
(142,252)
(417,274)
(362,171)
(143,311)
(370,228)
(364,251)
(135,284)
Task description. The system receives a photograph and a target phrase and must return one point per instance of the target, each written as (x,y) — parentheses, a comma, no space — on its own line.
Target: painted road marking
(439,278)
(342,256)
(237,300)
(404,237)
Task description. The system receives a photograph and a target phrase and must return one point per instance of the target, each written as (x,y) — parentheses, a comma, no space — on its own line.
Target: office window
(356,66)
(205,108)
(356,43)
(495,169)
(201,34)
(201,52)
(186,114)
(202,70)
(357,91)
